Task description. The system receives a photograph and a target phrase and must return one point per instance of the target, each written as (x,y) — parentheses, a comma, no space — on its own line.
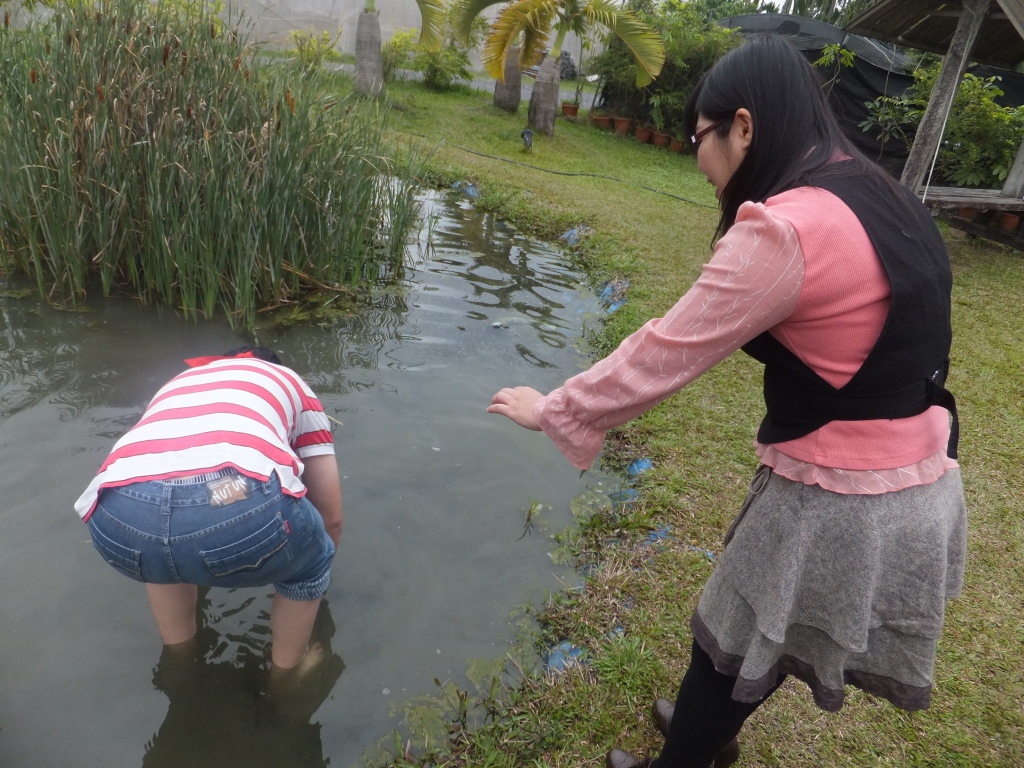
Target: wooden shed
(988,31)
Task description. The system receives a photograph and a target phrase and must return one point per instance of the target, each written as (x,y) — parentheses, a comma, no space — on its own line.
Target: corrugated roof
(929,25)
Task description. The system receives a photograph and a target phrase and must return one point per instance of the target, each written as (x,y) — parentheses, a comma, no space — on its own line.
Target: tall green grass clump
(146,149)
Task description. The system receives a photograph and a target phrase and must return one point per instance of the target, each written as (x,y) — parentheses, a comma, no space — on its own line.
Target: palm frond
(466,11)
(531,18)
(432,31)
(643,42)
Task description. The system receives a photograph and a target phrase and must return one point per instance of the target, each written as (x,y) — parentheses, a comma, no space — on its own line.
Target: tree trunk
(507,95)
(369,65)
(544,99)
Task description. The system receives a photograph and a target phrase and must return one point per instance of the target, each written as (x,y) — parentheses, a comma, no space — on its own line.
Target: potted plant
(622,125)
(644,133)
(600,118)
(658,116)
(571,107)
(678,142)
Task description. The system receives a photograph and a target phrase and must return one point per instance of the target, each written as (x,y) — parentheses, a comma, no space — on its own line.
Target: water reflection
(223,710)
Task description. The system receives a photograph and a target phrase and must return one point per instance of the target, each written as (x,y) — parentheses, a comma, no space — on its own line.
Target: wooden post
(953,67)
(1014,184)
(1014,10)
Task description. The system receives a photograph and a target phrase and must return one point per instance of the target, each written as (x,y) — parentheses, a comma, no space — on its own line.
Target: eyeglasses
(699,135)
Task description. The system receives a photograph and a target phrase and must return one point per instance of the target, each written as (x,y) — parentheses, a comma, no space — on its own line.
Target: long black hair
(796,137)
(259,352)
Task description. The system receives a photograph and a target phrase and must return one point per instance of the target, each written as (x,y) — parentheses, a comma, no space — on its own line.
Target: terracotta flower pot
(967,213)
(570,110)
(601,121)
(644,133)
(676,145)
(622,125)
(1008,222)
(660,139)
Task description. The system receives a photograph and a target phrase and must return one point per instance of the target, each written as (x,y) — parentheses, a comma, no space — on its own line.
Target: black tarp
(878,70)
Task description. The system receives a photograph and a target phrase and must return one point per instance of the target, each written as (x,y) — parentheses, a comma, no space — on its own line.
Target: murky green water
(431,562)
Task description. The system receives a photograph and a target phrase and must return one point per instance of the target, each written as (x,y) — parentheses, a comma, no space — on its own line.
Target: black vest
(905,371)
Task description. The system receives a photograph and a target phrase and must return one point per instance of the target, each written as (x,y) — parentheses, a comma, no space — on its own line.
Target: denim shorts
(222,529)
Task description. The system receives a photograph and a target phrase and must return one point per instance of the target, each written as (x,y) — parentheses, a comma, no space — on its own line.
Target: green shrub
(450,62)
(312,49)
(396,52)
(981,137)
(144,149)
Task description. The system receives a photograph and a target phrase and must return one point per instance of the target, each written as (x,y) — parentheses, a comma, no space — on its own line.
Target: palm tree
(369,66)
(530,23)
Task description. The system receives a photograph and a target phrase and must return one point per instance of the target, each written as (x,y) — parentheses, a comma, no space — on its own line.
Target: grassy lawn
(700,442)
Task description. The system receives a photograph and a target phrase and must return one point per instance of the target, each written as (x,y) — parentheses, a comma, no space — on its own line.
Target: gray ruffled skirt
(835,589)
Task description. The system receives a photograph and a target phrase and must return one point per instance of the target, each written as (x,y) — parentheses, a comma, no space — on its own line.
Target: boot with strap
(663,710)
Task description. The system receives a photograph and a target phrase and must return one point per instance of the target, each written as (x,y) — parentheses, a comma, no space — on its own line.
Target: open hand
(517,403)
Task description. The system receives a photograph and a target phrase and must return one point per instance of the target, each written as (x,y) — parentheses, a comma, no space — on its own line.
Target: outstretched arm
(752,283)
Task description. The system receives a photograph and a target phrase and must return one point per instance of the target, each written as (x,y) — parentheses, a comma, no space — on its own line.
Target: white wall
(274,20)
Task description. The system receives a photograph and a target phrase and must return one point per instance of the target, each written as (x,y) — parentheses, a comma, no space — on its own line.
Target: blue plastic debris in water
(572,237)
(616,305)
(659,534)
(639,466)
(706,552)
(467,188)
(563,656)
(624,496)
(614,291)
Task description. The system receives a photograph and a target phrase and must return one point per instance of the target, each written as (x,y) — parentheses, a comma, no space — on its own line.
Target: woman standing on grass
(853,534)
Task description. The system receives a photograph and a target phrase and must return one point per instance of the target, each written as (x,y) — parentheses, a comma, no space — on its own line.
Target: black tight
(706,717)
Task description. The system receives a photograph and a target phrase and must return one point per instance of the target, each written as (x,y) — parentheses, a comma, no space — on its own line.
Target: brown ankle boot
(663,709)
(727,755)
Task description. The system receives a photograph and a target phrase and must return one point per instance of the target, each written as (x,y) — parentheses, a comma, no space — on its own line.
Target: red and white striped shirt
(243,413)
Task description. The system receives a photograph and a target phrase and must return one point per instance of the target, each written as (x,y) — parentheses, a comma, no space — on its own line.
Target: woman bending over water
(228,480)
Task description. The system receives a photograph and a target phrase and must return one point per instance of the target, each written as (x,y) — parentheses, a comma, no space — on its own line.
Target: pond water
(433,560)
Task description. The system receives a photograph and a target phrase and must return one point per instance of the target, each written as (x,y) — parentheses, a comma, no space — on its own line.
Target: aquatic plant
(146,148)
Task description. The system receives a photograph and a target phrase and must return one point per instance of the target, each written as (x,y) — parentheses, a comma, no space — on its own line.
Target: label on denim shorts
(228,490)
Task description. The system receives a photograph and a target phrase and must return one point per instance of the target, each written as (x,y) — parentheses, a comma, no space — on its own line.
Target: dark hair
(796,136)
(261,352)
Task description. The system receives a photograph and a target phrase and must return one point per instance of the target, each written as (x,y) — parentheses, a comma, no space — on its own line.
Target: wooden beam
(929,134)
(1014,185)
(1014,10)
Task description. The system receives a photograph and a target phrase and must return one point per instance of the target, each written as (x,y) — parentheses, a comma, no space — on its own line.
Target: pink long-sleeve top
(801,267)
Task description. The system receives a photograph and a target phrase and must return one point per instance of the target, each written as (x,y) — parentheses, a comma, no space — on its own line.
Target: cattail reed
(115,208)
